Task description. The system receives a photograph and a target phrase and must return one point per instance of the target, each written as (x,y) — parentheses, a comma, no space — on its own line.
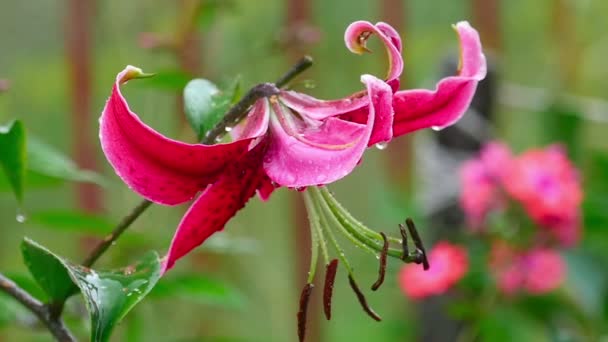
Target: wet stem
(50,315)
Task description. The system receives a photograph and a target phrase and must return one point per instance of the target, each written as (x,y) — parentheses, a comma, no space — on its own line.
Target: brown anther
(304,299)
(418,243)
(328,289)
(382,268)
(362,299)
(362,40)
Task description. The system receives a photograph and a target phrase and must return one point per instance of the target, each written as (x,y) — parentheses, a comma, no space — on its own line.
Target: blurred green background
(252,273)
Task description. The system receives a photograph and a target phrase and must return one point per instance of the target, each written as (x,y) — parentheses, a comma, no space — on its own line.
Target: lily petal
(160,169)
(356,36)
(255,124)
(322,109)
(421,108)
(303,156)
(218,204)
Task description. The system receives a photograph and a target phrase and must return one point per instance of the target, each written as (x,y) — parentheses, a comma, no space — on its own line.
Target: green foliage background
(251,291)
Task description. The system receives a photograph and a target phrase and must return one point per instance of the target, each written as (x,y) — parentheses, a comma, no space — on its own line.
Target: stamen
(418,243)
(382,269)
(304,299)
(362,300)
(328,289)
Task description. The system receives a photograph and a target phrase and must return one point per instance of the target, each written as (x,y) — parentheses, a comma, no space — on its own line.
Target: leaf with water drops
(48,270)
(108,295)
(13,156)
(205,104)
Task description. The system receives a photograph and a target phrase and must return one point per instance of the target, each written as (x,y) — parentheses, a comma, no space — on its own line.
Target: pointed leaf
(205,104)
(48,271)
(108,295)
(46,160)
(12,155)
(201,289)
(73,221)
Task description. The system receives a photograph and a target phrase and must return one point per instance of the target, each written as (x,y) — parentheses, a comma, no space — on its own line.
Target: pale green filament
(332,238)
(347,217)
(313,218)
(315,226)
(354,229)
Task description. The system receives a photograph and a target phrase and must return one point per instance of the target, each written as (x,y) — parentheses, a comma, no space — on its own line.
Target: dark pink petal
(421,108)
(304,154)
(158,168)
(266,188)
(218,204)
(356,36)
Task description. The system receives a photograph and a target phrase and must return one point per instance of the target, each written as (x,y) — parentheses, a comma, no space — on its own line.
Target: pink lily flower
(290,140)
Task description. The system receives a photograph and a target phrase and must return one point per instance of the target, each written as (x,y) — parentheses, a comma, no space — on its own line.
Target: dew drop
(228,129)
(436,128)
(382,145)
(20,216)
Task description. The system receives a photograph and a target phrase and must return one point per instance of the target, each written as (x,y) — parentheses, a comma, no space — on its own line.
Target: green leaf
(48,270)
(108,295)
(72,221)
(199,288)
(205,104)
(12,155)
(47,161)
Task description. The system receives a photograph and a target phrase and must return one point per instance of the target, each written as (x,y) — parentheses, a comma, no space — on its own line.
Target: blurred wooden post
(187,48)
(298,16)
(564,38)
(399,154)
(486,19)
(78,40)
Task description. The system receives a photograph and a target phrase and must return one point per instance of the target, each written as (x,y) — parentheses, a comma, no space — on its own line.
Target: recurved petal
(356,36)
(304,154)
(158,168)
(420,108)
(218,204)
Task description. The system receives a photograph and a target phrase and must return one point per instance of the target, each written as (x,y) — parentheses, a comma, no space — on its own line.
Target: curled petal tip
(131,72)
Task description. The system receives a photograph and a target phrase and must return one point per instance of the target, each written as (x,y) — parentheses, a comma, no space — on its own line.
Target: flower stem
(54,324)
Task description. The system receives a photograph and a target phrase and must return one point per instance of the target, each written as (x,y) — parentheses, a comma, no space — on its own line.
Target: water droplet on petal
(436,128)
(290,178)
(321,177)
(381,145)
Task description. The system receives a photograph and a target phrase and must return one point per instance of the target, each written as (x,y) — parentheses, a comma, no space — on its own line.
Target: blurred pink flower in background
(546,183)
(535,271)
(543,181)
(449,263)
(480,180)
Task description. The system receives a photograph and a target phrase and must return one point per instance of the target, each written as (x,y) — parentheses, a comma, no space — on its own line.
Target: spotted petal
(421,108)
(218,204)
(158,168)
(311,153)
